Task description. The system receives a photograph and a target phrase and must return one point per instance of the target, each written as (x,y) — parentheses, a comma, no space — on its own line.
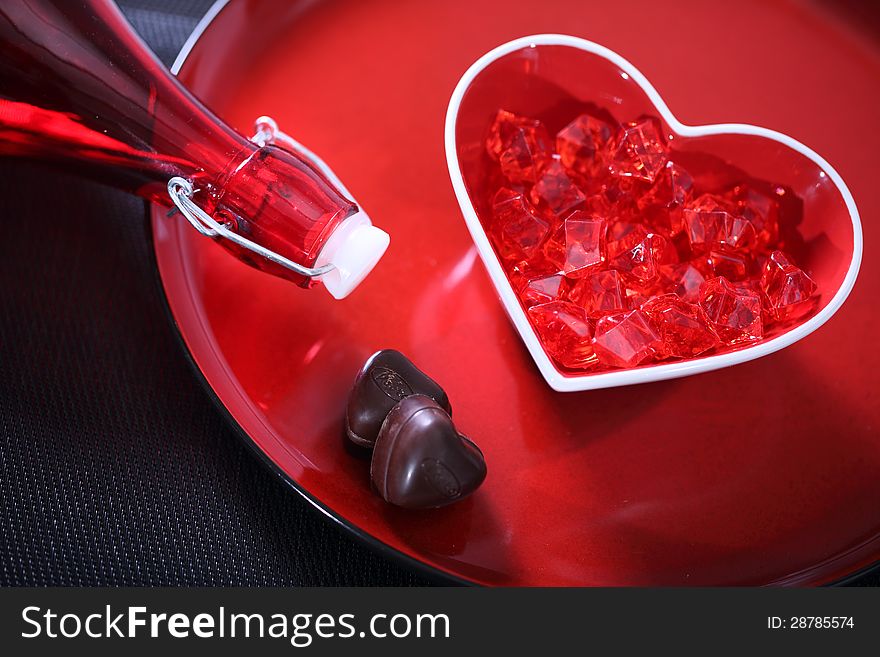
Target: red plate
(762,473)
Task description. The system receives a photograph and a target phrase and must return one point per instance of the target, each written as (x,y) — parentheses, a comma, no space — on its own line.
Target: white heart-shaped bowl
(549,76)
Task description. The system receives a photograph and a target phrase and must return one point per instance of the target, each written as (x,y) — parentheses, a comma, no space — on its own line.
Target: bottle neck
(76,84)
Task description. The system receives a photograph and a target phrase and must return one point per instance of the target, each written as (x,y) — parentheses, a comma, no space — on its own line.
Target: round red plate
(762,473)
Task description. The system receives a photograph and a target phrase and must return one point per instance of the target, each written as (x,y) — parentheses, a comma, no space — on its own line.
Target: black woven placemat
(115,467)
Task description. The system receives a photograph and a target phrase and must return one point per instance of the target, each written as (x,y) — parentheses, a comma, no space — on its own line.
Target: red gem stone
(583,145)
(502,129)
(544,290)
(521,145)
(736,233)
(621,195)
(776,263)
(791,293)
(662,204)
(517,228)
(683,328)
(761,210)
(703,219)
(578,245)
(734,266)
(554,193)
(641,150)
(625,339)
(525,270)
(600,294)
(508,125)
(524,158)
(733,311)
(685,279)
(621,188)
(640,265)
(564,331)
(624,235)
(598,205)
(635,299)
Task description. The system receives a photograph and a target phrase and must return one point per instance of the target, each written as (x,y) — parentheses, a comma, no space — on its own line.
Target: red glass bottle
(78,87)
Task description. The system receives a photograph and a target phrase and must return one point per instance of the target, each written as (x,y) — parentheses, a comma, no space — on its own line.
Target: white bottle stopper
(353,249)
(356,245)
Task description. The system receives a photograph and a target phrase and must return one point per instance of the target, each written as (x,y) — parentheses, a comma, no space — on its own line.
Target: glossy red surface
(665,483)
(79,88)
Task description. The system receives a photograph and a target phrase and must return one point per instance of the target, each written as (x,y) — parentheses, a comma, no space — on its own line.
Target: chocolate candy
(420,460)
(385,379)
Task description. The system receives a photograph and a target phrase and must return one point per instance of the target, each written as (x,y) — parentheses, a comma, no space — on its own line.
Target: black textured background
(115,466)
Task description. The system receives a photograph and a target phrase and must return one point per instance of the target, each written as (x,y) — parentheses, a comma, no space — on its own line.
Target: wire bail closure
(181,192)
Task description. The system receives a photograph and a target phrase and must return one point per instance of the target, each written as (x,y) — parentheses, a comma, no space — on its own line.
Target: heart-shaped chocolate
(421,461)
(552,78)
(385,379)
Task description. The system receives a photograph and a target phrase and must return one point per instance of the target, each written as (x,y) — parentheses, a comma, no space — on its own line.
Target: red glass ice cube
(564,330)
(635,298)
(702,221)
(601,293)
(625,339)
(522,271)
(663,203)
(761,209)
(578,245)
(521,145)
(685,279)
(641,150)
(544,290)
(502,129)
(525,157)
(508,125)
(791,293)
(624,235)
(583,145)
(733,265)
(733,311)
(598,205)
(683,328)
(517,229)
(736,233)
(640,265)
(555,193)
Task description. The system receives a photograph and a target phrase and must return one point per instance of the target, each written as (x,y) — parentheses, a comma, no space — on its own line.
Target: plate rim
(378,546)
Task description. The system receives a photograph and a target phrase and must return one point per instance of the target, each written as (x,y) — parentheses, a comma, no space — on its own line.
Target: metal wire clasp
(181,191)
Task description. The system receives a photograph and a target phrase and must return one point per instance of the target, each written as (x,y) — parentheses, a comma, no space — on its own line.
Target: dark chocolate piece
(421,461)
(386,378)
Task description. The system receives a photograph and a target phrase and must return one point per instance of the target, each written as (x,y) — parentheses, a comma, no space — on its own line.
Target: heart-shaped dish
(548,76)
